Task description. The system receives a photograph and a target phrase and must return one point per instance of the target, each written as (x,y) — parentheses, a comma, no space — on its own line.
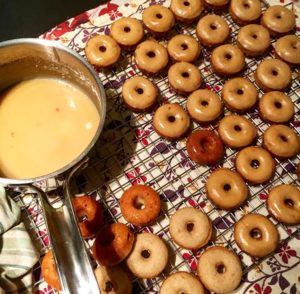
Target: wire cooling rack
(130,152)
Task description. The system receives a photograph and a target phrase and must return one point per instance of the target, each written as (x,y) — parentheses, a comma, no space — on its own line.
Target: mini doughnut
(276,107)
(186,11)
(89,214)
(140,205)
(239,94)
(245,11)
(253,40)
(273,74)
(226,189)
(256,235)
(49,271)
(219,270)
(216,4)
(113,244)
(181,282)
(190,228)
(113,280)
(184,77)
(204,147)
(255,165)
(139,94)
(281,141)
(151,57)
(237,131)
(212,30)
(278,20)
(288,49)
(127,32)
(204,106)
(149,256)
(170,121)
(227,60)
(183,48)
(158,19)
(284,204)
(102,51)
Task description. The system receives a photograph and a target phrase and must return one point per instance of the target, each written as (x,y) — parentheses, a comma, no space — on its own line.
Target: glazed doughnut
(204,147)
(49,271)
(190,228)
(239,94)
(237,131)
(140,205)
(184,77)
(284,204)
(139,94)
(89,214)
(183,48)
(227,60)
(216,4)
(245,11)
(288,49)
(212,30)
(151,57)
(204,106)
(102,51)
(149,256)
(255,164)
(281,141)
(127,32)
(219,270)
(181,282)
(253,40)
(276,107)
(226,189)
(278,20)
(256,235)
(273,74)
(158,19)
(113,280)
(186,10)
(113,244)
(170,121)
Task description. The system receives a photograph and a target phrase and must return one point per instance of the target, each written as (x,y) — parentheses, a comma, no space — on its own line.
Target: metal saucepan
(26,58)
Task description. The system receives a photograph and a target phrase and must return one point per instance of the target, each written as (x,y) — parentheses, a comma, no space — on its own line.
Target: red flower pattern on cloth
(142,136)
(286,252)
(112,10)
(135,178)
(261,290)
(191,261)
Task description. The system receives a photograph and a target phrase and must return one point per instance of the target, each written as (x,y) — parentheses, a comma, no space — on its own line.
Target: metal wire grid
(122,158)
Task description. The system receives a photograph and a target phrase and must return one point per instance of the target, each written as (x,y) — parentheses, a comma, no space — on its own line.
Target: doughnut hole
(186,3)
(240,91)
(189,227)
(278,16)
(204,144)
(256,233)
(288,202)
(171,118)
(228,56)
(184,46)
(139,91)
(204,103)
(102,48)
(277,104)
(158,15)
(255,163)
(294,46)
(254,36)
(139,203)
(185,74)
(237,128)
(109,286)
(274,72)
(246,5)
(127,29)
(283,138)
(145,253)
(151,54)
(220,268)
(227,187)
(82,217)
(213,26)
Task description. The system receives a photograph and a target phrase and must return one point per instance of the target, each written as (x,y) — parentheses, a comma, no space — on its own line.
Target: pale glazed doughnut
(149,256)
(226,189)
(219,270)
(245,11)
(49,271)
(184,77)
(255,164)
(212,30)
(288,49)
(151,57)
(253,40)
(227,60)
(281,141)
(158,19)
(186,10)
(181,282)
(216,4)
(239,94)
(256,235)
(139,94)
(204,106)
(183,48)
(127,32)
(190,228)
(284,204)
(102,51)
(278,20)
(273,74)
(237,131)
(170,121)
(276,107)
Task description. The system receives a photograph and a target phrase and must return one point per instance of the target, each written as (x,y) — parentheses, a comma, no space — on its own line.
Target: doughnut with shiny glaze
(186,11)
(288,49)
(216,4)
(245,11)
